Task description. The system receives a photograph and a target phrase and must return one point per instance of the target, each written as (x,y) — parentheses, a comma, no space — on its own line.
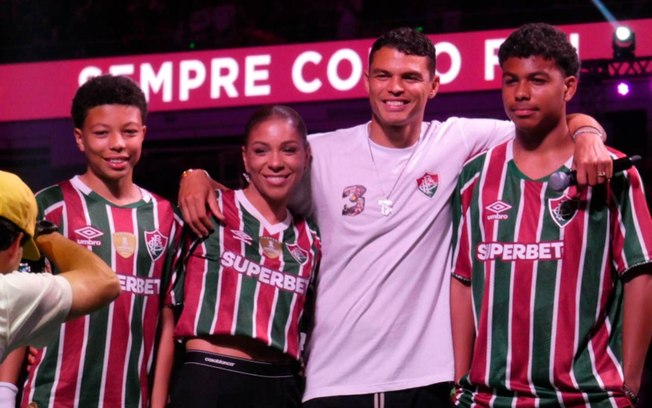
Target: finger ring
(601,174)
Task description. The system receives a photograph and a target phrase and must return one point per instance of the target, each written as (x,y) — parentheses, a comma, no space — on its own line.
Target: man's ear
(366,81)
(435,87)
(15,250)
(570,87)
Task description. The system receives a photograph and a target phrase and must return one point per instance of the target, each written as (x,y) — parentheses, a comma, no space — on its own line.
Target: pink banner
(276,74)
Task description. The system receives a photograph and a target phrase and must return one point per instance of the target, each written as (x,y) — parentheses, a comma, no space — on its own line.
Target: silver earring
(245,175)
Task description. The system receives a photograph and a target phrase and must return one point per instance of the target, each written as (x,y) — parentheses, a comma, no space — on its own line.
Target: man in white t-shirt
(381,194)
(33,305)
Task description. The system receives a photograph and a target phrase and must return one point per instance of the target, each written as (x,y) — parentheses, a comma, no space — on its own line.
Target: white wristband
(585,129)
(8,392)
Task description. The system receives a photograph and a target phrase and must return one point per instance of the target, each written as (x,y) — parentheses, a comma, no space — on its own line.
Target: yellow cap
(18,205)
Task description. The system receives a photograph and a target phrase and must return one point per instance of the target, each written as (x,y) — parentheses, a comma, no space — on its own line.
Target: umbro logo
(242,236)
(86,236)
(89,232)
(497,208)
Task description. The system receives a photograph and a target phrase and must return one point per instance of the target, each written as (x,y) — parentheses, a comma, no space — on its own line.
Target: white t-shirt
(382,319)
(32,306)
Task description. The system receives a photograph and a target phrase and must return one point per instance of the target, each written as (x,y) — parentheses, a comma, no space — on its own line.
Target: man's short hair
(542,40)
(408,41)
(17,214)
(107,90)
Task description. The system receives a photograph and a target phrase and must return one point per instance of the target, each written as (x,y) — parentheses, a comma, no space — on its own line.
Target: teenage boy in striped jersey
(106,358)
(550,296)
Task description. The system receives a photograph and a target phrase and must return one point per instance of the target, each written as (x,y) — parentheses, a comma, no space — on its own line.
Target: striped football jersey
(544,268)
(105,359)
(249,277)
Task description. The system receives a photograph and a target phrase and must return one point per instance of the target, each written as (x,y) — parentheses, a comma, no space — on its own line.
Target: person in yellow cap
(32,305)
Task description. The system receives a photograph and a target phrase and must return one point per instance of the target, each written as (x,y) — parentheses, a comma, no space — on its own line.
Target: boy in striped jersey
(549,304)
(106,358)
(33,305)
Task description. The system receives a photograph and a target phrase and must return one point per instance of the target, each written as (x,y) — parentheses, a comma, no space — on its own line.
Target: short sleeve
(483,134)
(32,306)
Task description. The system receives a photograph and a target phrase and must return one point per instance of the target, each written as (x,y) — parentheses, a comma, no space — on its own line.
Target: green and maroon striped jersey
(250,277)
(105,359)
(544,268)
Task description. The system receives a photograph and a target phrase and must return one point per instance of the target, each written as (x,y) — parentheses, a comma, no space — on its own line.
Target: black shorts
(209,380)
(431,396)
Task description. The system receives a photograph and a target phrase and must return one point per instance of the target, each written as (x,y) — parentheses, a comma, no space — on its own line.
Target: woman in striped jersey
(246,284)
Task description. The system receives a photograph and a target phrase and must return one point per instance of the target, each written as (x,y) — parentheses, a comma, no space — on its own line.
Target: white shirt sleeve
(482,134)
(32,306)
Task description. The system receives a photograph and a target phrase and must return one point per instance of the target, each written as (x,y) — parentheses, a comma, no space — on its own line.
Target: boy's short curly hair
(544,40)
(107,90)
(408,41)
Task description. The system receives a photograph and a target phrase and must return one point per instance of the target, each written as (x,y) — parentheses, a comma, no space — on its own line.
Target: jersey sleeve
(631,225)
(173,261)
(462,267)
(189,243)
(51,204)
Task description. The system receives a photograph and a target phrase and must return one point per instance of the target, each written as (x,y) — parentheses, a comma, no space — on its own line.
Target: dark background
(63,29)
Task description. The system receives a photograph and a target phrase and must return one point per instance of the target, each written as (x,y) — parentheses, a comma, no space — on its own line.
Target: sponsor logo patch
(86,236)
(156,243)
(300,255)
(242,236)
(271,247)
(562,210)
(428,184)
(263,274)
(353,200)
(497,208)
(519,251)
(125,243)
(139,285)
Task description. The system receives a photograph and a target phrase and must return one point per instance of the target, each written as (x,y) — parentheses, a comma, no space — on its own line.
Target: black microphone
(561,180)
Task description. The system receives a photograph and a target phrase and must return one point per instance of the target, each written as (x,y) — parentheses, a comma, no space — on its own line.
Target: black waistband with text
(242,366)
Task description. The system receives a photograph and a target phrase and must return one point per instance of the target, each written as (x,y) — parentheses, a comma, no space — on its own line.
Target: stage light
(624,43)
(623,33)
(623,88)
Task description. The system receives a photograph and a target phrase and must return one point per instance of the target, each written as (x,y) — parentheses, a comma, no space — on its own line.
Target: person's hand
(196,198)
(32,353)
(593,163)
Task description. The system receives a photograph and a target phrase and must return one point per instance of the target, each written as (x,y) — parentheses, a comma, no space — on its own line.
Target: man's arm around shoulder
(93,283)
